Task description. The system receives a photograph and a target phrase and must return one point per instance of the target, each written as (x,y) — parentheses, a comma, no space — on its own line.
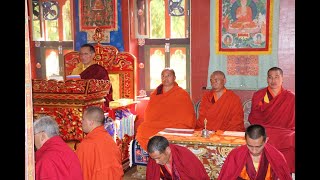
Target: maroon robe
(278,117)
(184,162)
(238,158)
(56,160)
(96,71)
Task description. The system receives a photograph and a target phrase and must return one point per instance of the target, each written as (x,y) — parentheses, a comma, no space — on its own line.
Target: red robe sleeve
(188,165)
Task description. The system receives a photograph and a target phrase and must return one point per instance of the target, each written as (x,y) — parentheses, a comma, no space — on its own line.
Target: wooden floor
(131,174)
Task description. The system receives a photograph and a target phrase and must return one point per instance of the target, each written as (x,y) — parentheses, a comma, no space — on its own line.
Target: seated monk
(274,108)
(244,16)
(171,161)
(255,160)
(88,69)
(170,106)
(221,107)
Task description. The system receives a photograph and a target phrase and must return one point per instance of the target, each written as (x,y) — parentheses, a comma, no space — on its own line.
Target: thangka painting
(98,13)
(244,26)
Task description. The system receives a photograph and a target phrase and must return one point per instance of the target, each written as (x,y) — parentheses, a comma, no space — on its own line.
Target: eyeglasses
(85,54)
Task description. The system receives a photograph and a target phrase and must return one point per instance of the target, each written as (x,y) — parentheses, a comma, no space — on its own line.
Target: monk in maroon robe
(256,160)
(174,162)
(96,71)
(54,158)
(88,69)
(274,108)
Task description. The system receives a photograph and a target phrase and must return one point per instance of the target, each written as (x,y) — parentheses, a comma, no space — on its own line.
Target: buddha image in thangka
(98,13)
(244,19)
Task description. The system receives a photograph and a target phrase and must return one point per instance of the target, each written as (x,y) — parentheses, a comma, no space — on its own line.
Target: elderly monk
(170,106)
(88,69)
(170,161)
(221,107)
(255,160)
(54,158)
(99,155)
(274,108)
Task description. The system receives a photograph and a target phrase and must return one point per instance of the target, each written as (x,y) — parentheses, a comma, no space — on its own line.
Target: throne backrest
(71,59)
(121,67)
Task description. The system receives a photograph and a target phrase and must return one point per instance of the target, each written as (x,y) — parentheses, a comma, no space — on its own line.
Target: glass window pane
(52,31)
(35,11)
(157,64)
(157,20)
(36,30)
(178,63)
(178,27)
(178,23)
(52,62)
(66,15)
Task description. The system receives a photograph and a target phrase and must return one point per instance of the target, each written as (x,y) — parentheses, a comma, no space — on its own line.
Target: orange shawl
(225,114)
(99,156)
(172,109)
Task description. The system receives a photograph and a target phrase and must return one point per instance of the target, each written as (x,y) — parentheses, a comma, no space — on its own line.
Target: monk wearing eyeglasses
(89,69)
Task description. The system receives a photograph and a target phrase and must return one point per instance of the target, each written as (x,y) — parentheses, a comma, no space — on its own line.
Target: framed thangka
(244,26)
(98,13)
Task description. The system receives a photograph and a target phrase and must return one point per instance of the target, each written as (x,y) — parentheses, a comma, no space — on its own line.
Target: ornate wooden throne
(121,67)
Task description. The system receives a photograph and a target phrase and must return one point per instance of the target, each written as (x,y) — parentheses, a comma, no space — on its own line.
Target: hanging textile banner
(245,68)
(244,27)
(98,13)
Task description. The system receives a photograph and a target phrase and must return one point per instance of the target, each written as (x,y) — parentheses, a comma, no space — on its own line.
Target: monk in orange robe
(274,108)
(89,69)
(244,16)
(99,156)
(221,107)
(256,160)
(170,106)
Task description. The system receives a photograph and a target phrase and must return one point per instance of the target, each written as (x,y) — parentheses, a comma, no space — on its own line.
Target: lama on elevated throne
(120,66)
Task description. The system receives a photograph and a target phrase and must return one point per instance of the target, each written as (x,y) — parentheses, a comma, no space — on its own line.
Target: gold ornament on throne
(98,35)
